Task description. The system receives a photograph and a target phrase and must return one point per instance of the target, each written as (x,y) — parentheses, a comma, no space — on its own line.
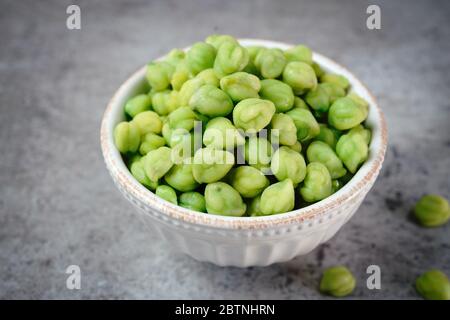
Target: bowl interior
(120,173)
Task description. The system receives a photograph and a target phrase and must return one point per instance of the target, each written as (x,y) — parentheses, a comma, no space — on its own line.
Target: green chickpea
(200,57)
(151,141)
(211,101)
(159,75)
(283,127)
(318,99)
(432,211)
(317,69)
(138,104)
(230,58)
(337,281)
(258,152)
(253,207)
(138,172)
(288,164)
(306,124)
(337,79)
(157,163)
(167,193)
(279,93)
(241,85)
(433,285)
(252,52)
(180,76)
(188,89)
(193,201)
(317,183)
(175,56)
(358,100)
(208,76)
(365,133)
(166,132)
(223,199)
(216,40)
(300,76)
(278,198)
(336,185)
(333,90)
(182,144)
(183,118)
(220,133)
(319,151)
(211,165)
(164,102)
(253,114)
(248,181)
(352,149)
(180,177)
(327,135)
(300,103)
(345,114)
(270,62)
(297,147)
(127,137)
(299,53)
(148,121)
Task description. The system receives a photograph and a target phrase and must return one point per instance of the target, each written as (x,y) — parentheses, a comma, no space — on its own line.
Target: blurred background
(58,206)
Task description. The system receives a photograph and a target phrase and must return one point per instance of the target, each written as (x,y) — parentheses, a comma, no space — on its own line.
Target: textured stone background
(58,205)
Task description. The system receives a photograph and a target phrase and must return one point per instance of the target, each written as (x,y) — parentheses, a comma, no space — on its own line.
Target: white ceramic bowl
(244,241)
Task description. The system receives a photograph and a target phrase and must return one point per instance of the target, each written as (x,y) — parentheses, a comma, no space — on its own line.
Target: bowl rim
(122,177)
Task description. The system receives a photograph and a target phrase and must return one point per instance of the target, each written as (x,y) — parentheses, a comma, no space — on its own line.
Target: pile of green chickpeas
(276,131)
(254,131)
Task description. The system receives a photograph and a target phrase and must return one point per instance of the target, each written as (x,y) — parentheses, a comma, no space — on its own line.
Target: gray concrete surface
(59,207)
